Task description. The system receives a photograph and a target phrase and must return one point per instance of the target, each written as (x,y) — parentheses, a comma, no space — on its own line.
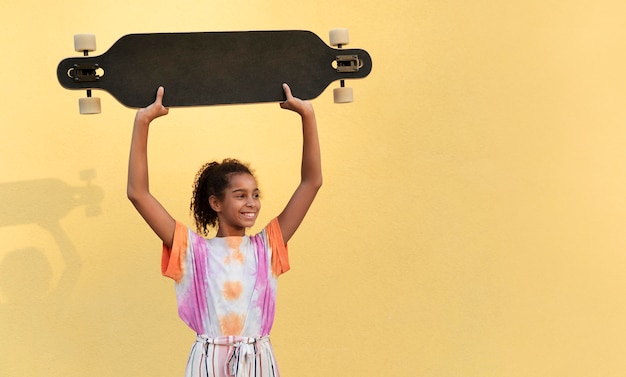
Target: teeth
(248,214)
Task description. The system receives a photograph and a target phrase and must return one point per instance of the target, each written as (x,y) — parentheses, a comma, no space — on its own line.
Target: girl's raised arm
(138,187)
(311,171)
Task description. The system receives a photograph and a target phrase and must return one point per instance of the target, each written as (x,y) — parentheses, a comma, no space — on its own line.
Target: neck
(230,232)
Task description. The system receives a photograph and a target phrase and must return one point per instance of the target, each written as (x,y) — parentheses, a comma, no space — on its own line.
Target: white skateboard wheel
(84,42)
(89,105)
(339,37)
(343,95)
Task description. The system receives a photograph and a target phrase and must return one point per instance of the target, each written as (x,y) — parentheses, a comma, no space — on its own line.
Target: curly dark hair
(212,179)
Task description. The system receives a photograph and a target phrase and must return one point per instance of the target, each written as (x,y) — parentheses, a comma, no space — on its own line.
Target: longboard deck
(211,68)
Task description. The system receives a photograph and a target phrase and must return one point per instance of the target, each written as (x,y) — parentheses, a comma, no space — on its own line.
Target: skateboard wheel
(89,105)
(339,37)
(343,95)
(84,42)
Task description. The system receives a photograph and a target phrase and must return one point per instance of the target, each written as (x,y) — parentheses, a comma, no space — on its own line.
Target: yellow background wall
(471,222)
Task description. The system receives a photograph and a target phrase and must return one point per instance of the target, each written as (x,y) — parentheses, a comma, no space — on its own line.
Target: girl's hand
(155,109)
(295,104)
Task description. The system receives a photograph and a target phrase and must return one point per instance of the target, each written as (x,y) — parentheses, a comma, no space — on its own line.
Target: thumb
(159,95)
(288,95)
(287,91)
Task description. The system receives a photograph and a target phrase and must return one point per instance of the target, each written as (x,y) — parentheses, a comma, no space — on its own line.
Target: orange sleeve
(172,259)
(280,255)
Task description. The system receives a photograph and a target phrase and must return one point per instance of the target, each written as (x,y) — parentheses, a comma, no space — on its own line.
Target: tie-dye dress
(226,292)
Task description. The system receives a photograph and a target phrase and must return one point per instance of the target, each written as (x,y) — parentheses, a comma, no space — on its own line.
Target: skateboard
(216,68)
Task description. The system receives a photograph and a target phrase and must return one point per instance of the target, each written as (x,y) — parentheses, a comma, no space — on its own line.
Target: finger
(287,91)
(159,95)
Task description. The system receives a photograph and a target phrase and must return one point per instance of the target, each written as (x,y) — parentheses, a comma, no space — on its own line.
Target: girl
(226,285)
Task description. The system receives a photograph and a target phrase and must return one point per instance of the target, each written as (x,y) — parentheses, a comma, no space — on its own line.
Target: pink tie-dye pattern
(265,292)
(192,302)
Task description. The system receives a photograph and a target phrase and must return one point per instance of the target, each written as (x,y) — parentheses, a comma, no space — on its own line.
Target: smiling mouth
(249,215)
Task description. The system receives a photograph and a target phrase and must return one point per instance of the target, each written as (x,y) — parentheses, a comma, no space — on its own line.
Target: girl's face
(240,206)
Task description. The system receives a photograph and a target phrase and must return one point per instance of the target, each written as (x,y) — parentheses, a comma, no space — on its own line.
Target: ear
(215,203)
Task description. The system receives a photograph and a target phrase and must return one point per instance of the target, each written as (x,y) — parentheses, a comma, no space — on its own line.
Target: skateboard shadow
(30,297)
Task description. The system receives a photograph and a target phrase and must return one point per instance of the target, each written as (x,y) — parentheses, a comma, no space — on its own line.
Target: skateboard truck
(86,73)
(345,63)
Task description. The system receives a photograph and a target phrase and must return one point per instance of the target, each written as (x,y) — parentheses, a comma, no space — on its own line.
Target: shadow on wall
(31,300)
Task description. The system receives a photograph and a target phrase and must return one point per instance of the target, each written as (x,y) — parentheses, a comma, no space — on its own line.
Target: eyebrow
(244,190)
